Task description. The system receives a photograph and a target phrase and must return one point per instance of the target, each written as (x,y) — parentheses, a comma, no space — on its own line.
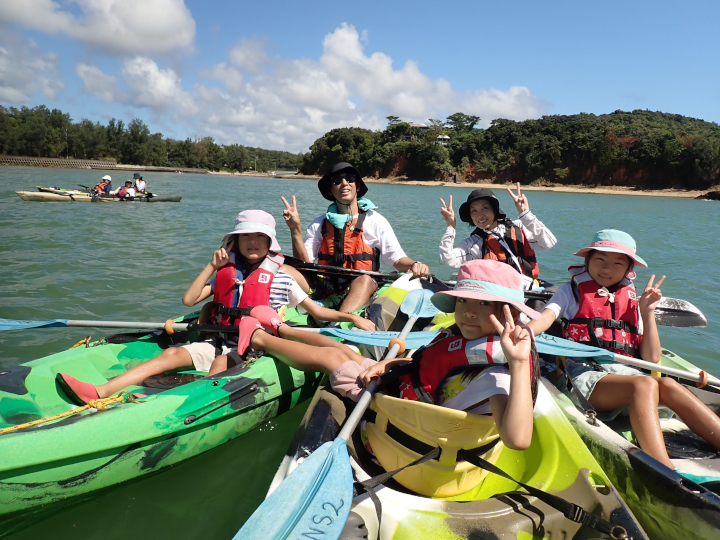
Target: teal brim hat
(614,241)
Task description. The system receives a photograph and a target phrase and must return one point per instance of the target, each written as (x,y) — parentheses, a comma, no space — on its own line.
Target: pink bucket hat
(250,221)
(490,280)
(616,242)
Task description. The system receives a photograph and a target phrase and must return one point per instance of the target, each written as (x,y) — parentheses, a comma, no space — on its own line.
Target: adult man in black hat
(351,234)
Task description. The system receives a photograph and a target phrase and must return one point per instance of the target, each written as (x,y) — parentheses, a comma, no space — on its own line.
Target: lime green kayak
(667,505)
(557,462)
(182,415)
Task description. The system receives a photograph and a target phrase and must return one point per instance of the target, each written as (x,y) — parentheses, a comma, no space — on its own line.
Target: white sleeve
(313,238)
(563,302)
(538,235)
(295,294)
(491,382)
(468,249)
(379,234)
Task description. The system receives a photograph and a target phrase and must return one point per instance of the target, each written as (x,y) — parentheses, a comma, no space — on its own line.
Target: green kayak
(180,416)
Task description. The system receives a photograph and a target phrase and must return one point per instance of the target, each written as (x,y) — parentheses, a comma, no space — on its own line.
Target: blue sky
(280,74)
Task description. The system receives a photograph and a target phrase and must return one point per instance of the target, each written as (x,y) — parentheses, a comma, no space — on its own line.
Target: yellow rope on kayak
(85,341)
(99,404)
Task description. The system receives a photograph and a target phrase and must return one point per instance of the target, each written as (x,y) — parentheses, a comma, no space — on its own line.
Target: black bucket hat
(476,195)
(324,182)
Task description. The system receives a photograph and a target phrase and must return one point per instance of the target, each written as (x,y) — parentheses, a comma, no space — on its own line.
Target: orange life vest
(518,244)
(347,248)
(101,185)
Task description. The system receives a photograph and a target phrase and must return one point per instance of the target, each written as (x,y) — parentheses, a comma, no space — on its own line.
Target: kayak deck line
(99,404)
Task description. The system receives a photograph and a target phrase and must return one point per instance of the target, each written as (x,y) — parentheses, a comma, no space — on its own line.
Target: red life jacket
(122,192)
(444,357)
(347,249)
(518,244)
(604,320)
(230,306)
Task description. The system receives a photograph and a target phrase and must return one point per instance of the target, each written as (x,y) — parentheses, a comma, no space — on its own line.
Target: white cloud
(25,70)
(287,104)
(117,26)
(98,83)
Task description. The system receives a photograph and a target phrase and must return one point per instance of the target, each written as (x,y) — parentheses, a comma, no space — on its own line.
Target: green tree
(461,122)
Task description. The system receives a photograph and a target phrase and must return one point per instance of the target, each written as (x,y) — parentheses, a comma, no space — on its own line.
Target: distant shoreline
(605,190)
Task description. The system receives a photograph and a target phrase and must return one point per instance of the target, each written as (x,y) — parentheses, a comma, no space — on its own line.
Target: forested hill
(40,132)
(643,149)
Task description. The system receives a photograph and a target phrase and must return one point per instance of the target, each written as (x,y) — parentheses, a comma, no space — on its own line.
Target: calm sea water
(134,261)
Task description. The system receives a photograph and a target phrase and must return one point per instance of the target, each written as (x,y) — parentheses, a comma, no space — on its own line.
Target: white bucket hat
(250,221)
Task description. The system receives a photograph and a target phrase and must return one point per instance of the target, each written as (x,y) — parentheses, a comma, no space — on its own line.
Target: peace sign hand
(220,257)
(521,202)
(446,211)
(515,340)
(651,296)
(291,215)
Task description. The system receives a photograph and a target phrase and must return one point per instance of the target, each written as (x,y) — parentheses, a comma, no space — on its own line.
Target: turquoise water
(134,261)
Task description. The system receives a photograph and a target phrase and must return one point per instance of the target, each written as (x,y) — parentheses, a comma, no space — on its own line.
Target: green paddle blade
(312,502)
(417,304)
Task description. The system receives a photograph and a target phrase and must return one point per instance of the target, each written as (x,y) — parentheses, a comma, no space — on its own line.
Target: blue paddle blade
(417,304)
(414,340)
(312,502)
(12,324)
(562,347)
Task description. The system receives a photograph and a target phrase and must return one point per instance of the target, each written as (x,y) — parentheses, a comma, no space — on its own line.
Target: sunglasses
(338,178)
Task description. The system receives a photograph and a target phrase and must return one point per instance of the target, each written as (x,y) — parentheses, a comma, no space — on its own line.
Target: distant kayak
(48,194)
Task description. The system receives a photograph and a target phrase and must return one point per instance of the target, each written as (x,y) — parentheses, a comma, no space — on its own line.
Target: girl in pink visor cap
(247,271)
(487,301)
(600,307)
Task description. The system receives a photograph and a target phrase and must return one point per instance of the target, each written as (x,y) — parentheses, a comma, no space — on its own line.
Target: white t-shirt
(284,291)
(130,192)
(564,305)
(538,235)
(492,381)
(140,185)
(377,233)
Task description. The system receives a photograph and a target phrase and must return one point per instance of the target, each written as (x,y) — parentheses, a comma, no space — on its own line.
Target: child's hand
(521,202)
(515,340)
(363,324)
(220,257)
(651,296)
(378,370)
(446,211)
(291,214)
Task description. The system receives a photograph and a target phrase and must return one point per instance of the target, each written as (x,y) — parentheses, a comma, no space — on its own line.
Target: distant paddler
(351,234)
(104,186)
(139,185)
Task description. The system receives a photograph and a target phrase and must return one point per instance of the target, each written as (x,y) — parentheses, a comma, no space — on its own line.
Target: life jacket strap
(599,322)
(234,312)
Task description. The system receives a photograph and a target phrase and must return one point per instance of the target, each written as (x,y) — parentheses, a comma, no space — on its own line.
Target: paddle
(383,277)
(562,347)
(314,500)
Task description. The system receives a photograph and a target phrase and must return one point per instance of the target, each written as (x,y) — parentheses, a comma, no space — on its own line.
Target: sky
(281,74)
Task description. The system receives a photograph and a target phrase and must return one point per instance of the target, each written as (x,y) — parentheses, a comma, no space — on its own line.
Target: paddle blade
(417,304)
(563,347)
(12,324)
(414,340)
(679,313)
(312,502)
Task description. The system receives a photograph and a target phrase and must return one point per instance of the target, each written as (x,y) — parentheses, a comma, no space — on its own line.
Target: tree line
(41,132)
(643,149)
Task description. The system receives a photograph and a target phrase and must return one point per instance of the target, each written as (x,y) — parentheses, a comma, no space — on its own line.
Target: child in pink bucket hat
(248,282)
(487,292)
(600,307)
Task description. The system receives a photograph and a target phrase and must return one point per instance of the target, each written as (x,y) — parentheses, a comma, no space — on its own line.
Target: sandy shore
(566,189)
